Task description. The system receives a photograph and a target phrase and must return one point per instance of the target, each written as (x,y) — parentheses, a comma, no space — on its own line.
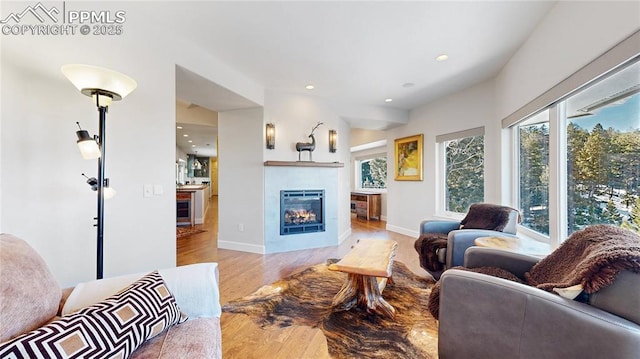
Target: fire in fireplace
(301,211)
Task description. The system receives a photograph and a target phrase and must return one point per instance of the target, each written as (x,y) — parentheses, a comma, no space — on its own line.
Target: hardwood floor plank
(243,273)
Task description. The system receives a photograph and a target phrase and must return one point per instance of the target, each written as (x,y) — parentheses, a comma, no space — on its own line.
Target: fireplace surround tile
(300,178)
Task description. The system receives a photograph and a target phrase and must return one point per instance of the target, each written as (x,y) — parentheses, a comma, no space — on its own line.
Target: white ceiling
(203,139)
(195,89)
(354,52)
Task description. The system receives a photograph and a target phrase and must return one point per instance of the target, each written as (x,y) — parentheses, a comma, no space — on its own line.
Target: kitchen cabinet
(200,200)
(185,209)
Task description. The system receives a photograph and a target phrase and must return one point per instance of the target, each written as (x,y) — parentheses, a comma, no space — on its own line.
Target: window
(595,178)
(463,169)
(533,167)
(372,172)
(603,153)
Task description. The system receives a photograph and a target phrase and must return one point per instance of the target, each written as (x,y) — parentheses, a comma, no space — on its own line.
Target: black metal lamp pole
(101,181)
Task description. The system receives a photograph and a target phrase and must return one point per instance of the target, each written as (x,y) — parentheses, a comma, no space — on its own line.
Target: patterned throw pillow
(113,328)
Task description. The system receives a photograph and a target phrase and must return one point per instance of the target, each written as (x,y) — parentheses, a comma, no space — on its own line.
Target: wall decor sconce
(271,136)
(333,141)
(103,86)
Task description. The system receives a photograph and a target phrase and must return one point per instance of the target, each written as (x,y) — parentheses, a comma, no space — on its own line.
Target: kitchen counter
(191,187)
(201,194)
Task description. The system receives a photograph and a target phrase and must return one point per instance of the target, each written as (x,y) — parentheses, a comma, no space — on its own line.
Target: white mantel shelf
(303,164)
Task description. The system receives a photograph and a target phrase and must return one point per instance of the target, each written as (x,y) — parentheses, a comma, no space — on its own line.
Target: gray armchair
(442,243)
(487,317)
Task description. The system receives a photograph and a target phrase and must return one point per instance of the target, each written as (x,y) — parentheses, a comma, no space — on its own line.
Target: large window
(603,153)
(372,172)
(533,167)
(596,176)
(463,169)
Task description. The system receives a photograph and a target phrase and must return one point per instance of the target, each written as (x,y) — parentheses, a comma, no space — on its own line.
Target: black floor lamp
(103,86)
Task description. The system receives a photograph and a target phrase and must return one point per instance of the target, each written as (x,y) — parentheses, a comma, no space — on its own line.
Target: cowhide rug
(305,299)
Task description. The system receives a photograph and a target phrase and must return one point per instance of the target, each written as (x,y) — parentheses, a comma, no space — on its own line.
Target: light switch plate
(147,190)
(158,190)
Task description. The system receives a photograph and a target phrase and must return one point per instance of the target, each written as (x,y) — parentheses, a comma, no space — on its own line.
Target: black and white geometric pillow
(113,328)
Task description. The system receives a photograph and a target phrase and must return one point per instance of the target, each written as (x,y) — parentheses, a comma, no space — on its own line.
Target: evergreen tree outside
(464,173)
(611,215)
(374,173)
(633,223)
(604,175)
(534,176)
(576,137)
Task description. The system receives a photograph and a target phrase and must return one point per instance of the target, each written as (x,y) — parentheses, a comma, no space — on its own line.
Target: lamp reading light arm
(92,181)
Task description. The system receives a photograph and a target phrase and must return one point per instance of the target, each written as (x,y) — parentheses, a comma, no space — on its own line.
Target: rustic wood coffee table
(368,266)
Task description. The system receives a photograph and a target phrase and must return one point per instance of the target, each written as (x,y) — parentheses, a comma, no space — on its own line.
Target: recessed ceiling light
(442,57)
(408,84)
(179,127)
(388,100)
(193,145)
(185,135)
(190,141)
(309,87)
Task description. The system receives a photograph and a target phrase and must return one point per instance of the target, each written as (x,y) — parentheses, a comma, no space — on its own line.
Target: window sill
(371,190)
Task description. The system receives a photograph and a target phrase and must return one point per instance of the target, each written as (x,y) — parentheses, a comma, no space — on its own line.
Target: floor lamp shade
(92,80)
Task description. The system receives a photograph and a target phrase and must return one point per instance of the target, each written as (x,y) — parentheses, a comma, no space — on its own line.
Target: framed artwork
(408,158)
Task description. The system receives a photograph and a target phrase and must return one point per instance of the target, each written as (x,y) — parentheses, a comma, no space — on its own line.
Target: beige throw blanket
(591,257)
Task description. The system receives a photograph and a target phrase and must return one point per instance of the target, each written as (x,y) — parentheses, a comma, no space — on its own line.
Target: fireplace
(301,211)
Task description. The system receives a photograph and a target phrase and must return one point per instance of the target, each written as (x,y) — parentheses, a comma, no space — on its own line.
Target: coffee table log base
(366,292)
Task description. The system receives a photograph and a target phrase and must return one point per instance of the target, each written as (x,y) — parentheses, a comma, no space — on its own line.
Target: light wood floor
(243,273)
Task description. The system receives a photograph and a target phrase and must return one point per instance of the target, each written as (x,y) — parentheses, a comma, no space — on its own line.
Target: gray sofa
(487,317)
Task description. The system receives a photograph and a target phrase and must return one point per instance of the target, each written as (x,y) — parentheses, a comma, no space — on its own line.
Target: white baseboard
(344,236)
(404,231)
(242,247)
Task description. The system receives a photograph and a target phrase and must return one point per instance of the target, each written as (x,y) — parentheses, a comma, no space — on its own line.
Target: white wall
(195,115)
(410,202)
(570,36)
(51,205)
(359,136)
(44,199)
(241,180)
(573,34)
